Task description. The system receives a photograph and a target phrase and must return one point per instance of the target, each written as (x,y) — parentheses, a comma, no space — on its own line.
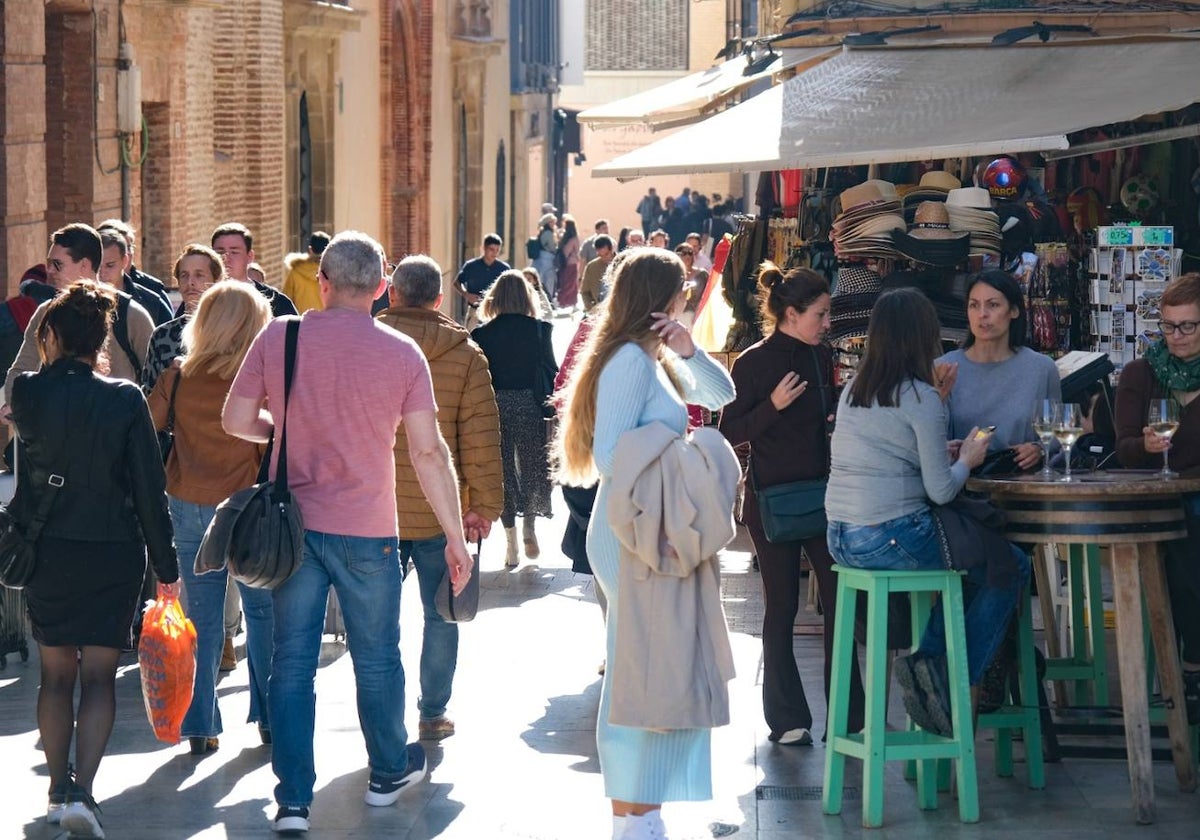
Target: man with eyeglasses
(1170,370)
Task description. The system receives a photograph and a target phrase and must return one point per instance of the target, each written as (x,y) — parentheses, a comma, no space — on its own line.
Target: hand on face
(673,334)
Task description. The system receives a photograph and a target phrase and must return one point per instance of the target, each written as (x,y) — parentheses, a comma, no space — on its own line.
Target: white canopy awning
(688,99)
(924,103)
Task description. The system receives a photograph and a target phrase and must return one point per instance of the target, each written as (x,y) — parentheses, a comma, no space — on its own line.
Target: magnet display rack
(1129,268)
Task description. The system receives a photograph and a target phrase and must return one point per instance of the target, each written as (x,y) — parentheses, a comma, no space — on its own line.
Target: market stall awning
(897,104)
(688,99)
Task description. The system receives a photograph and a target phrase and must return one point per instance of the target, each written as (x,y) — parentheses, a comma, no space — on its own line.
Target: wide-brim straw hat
(933,251)
(868,192)
(935,185)
(870,226)
(975,198)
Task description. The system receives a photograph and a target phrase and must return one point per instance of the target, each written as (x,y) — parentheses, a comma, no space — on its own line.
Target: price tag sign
(1114,236)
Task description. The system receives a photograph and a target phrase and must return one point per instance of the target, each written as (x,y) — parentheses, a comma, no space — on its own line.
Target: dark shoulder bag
(18,544)
(795,510)
(166,435)
(257,532)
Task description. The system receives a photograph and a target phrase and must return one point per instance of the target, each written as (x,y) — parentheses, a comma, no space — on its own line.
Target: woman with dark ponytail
(89,441)
(783,407)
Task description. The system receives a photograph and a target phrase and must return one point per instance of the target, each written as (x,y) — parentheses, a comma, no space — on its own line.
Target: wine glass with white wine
(1067,430)
(1164,420)
(1046,414)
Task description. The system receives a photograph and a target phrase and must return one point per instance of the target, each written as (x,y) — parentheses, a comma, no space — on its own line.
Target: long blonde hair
(644,280)
(230,314)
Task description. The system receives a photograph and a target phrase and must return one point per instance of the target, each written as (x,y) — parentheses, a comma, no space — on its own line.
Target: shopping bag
(167,658)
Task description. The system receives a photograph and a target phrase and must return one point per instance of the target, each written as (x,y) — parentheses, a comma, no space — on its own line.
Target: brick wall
(406,41)
(623,35)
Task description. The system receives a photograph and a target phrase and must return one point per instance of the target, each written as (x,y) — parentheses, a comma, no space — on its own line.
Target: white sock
(618,827)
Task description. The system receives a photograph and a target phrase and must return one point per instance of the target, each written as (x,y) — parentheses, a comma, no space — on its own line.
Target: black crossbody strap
(824,401)
(46,498)
(291,341)
(171,402)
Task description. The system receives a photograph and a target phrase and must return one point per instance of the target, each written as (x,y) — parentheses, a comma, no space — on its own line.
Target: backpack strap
(120,331)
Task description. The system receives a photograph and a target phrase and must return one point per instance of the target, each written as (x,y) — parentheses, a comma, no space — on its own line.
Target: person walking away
(783,409)
(205,467)
(342,475)
(521,360)
(110,506)
(891,465)
(649,210)
(567,263)
(300,283)
(1170,370)
(478,275)
(639,368)
(546,260)
(470,423)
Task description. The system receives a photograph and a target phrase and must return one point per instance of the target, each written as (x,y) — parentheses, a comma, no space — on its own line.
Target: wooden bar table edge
(1133,512)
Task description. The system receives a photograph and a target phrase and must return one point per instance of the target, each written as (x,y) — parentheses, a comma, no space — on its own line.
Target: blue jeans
(365,573)
(909,543)
(204,602)
(439,642)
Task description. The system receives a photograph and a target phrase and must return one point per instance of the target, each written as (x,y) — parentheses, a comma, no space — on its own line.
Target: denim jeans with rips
(365,573)
(910,543)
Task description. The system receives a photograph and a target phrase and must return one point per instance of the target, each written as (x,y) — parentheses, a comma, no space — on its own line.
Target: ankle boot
(531,544)
(512,559)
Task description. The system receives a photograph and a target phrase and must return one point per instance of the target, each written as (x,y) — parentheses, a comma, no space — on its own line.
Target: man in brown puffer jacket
(470,423)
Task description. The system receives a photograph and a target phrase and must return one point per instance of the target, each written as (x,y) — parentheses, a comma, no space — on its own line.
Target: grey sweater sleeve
(928,415)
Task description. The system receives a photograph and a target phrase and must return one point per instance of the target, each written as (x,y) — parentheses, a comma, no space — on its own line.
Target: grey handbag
(456,608)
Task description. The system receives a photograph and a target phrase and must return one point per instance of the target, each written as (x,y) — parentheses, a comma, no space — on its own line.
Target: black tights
(57,723)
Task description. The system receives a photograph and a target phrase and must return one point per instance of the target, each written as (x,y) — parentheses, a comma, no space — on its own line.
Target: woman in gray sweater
(890,464)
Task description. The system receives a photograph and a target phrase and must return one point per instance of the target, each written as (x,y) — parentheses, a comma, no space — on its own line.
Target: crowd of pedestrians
(412,433)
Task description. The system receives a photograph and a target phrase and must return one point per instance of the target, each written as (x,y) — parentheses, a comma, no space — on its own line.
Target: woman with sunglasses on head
(1170,370)
(782,408)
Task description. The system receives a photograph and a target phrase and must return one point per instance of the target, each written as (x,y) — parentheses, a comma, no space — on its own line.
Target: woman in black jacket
(521,360)
(783,403)
(110,507)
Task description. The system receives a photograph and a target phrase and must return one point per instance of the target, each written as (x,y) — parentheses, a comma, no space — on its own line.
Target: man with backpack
(75,253)
(478,275)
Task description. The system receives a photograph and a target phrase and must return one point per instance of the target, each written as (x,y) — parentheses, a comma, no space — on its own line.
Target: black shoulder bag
(166,435)
(796,510)
(18,544)
(258,532)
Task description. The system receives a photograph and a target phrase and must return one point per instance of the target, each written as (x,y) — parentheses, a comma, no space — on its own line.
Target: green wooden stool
(875,746)
(1087,664)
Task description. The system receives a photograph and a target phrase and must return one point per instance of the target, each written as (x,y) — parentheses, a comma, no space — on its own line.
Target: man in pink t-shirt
(355,381)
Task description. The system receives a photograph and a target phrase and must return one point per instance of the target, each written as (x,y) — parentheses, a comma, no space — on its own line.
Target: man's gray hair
(417,280)
(353,262)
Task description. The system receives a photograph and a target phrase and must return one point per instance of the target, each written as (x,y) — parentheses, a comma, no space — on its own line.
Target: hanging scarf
(1173,373)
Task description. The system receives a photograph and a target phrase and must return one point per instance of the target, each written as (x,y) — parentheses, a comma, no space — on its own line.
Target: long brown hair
(644,280)
(80,318)
(902,342)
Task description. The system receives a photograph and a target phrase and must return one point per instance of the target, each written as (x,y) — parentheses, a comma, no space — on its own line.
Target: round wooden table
(1133,511)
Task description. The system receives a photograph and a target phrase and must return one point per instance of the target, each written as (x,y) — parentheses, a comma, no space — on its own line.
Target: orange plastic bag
(167,658)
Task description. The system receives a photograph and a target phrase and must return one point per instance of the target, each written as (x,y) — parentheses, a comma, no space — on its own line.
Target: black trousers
(1183,582)
(784,703)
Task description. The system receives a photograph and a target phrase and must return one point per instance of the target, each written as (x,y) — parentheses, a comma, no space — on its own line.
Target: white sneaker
(80,820)
(793,737)
(649,826)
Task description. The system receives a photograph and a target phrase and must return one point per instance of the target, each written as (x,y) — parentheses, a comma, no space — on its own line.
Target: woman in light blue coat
(640,366)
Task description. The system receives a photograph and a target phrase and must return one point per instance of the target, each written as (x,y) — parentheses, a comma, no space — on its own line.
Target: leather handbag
(461,607)
(18,544)
(795,510)
(257,533)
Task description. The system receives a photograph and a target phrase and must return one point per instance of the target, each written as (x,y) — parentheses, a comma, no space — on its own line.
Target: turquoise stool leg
(960,700)
(1082,619)
(839,696)
(1027,680)
(1097,650)
(875,731)
(922,607)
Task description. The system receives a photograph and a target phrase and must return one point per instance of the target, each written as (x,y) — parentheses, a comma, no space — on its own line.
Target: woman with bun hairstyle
(782,409)
(109,510)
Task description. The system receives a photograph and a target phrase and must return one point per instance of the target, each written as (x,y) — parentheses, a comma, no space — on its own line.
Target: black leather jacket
(98,433)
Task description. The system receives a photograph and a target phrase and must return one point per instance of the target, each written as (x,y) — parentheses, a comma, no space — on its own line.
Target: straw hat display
(970,210)
(930,240)
(870,212)
(935,185)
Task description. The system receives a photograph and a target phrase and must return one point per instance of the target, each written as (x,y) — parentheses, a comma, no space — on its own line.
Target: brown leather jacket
(467,415)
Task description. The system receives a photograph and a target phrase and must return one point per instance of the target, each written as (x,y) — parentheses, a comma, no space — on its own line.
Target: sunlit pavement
(523,762)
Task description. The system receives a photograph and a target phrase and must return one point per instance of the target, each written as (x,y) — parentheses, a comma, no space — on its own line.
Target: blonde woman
(639,366)
(205,466)
(521,360)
